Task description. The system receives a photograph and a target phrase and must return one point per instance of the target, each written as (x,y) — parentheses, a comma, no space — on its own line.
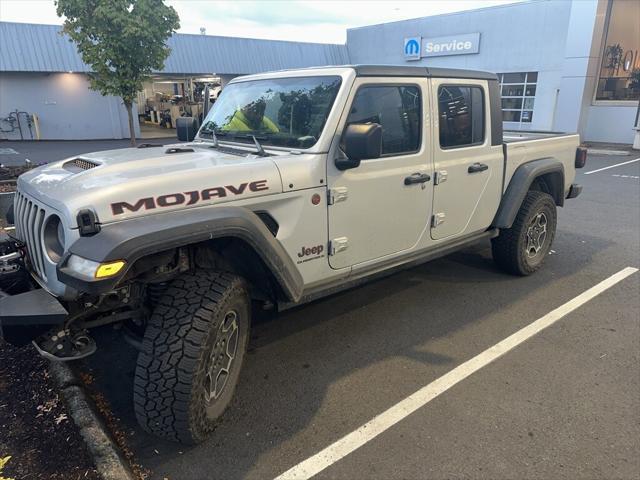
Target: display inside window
(619,78)
(518,92)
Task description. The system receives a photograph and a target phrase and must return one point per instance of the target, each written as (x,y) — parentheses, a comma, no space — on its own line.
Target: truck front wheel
(521,249)
(191,356)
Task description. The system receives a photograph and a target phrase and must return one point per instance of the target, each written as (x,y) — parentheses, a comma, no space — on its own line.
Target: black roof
(410,71)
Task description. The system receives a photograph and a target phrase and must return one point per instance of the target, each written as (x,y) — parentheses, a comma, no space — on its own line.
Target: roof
(42,48)
(409,71)
(388,71)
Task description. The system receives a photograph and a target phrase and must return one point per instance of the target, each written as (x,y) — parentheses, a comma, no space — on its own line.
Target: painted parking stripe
(374,427)
(611,166)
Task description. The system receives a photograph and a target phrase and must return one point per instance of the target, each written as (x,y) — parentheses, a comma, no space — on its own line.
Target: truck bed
(522,147)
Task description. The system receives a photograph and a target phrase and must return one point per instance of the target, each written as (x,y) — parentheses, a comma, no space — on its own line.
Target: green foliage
(123,41)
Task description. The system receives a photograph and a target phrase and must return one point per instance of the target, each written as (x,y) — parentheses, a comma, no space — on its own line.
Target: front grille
(78,164)
(29,219)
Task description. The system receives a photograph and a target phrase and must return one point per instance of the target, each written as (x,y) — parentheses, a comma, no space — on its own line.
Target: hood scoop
(79,164)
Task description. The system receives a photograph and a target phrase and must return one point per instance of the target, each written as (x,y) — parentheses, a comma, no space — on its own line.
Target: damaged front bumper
(26,316)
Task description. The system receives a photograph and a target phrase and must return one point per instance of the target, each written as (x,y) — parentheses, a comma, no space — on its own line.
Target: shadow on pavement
(297,357)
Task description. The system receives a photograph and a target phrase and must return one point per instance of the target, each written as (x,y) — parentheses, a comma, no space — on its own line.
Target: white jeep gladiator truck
(298,184)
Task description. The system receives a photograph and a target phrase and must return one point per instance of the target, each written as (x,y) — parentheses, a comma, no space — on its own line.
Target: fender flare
(519,185)
(133,239)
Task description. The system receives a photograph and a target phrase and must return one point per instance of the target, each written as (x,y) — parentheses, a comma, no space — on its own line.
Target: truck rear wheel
(191,355)
(521,249)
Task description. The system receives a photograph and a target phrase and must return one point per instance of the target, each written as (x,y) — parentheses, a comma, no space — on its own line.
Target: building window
(518,96)
(397,109)
(619,78)
(461,112)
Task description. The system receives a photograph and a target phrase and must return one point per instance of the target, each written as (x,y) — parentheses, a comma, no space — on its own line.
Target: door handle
(477,167)
(416,178)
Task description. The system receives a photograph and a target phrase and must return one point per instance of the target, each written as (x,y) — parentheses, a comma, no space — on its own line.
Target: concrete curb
(109,463)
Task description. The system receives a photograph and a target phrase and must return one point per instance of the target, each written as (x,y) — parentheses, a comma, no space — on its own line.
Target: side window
(397,109)
(461,112)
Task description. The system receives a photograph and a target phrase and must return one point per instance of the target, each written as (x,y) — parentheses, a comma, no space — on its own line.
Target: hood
(132,182)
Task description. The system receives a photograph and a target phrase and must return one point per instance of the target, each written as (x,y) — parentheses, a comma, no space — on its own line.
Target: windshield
(283,112)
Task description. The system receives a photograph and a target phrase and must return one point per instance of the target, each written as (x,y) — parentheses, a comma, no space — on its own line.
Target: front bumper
(25,316)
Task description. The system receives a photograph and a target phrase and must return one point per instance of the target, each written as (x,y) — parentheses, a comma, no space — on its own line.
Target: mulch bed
(36,430)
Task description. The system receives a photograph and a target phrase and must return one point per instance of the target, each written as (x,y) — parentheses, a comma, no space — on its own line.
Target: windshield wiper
(259,150)
(214,137)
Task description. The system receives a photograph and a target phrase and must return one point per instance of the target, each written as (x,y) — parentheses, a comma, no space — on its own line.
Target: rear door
(468,169)
(376,211)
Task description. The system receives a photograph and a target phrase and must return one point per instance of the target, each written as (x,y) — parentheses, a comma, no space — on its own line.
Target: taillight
(581,157)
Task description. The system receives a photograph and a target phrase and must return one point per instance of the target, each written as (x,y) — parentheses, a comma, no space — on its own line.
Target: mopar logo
(412,48)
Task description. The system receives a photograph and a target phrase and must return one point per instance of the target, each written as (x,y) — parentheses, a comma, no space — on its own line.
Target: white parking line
(611,166)
(367,432)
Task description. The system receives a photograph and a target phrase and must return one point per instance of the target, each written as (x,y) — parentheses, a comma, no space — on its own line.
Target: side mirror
(186,128)
(361,141)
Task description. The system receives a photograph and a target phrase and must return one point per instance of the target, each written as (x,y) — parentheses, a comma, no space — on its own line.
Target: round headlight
(54,238)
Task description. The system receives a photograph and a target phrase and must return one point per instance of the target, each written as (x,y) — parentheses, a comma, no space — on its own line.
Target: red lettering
(258,185)
(213,192)
(238,190)
(119,207)
(171,200)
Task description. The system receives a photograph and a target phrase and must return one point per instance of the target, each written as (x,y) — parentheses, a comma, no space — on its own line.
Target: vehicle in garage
(297,185)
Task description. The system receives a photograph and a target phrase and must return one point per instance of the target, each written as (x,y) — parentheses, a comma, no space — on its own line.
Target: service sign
(418,47)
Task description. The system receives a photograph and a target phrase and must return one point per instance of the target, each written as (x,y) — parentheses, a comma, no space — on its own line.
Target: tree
(123,41)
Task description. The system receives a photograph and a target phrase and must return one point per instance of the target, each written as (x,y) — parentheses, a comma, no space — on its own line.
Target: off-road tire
(171,397)
(510,247)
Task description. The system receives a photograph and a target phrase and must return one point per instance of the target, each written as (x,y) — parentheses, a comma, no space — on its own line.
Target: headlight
(90,270)
(53,238)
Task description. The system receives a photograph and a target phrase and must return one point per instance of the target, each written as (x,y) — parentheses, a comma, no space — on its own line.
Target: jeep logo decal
(310,253)
(188,198)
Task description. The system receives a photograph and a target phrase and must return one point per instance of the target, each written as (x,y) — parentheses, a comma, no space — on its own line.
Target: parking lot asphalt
(564,404)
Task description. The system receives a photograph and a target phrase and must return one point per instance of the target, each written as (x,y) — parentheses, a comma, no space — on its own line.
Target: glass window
(461,112)
(397,109)
(284,112)
(514,78)
(518,99)
(512,90)
(619,77)
(510,116)
(513,103)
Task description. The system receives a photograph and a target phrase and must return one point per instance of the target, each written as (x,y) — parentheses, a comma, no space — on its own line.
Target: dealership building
(563,65)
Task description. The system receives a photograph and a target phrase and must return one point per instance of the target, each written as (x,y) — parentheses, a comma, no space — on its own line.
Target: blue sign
(412,47)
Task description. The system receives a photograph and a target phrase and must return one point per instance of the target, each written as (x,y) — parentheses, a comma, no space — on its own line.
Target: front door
(383,206)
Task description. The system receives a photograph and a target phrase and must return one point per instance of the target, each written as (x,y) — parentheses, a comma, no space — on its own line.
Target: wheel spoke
(222,356)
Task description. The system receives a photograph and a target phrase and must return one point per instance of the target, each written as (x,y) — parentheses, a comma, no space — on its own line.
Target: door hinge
(338,245)
(439,177)
(438,219)
(338,194)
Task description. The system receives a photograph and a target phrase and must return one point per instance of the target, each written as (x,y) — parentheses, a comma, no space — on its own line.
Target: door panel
(388,200)
(468,169)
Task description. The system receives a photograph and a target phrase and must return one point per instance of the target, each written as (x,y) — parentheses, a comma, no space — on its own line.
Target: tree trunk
(132,130)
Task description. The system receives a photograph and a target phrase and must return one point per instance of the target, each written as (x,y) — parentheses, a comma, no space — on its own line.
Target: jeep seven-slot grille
(29,217)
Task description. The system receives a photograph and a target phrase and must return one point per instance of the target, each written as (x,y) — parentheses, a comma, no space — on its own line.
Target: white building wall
(528,37)
(67,109)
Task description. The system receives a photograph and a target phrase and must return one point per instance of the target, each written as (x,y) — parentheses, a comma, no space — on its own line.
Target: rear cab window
(461,112)
(397,108)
